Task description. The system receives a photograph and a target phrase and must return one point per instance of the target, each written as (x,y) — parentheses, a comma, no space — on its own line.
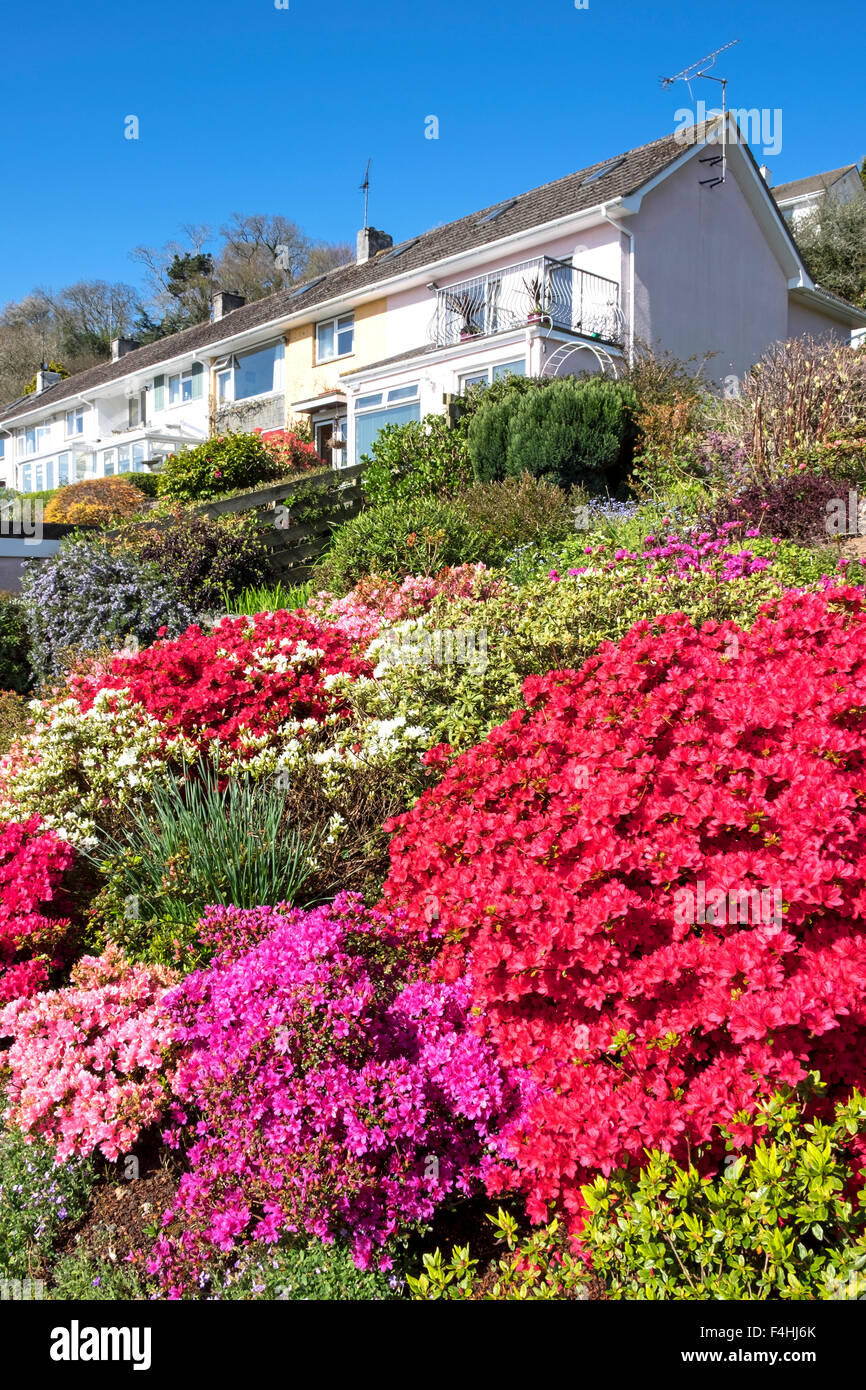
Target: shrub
(801,507)
(487,412)
(514,512)
(86,596)
(86,1062)
(780,1221)
(229,463)
(426,458)
(15,672)
(802,393)
(145,482)
(578,431)
(204,559)
(290,451)
(38,1200)
(197,843)
(416,535)
(539,1266)
(332,1098)
(94,502)
(13,718)
(34,906)
(82,769)
(582,857)
(237,685)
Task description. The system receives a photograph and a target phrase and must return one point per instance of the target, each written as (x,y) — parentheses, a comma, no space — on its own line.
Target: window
(83,466)
(49,472)
(26,483)
(224,385)
(2,448)
(399,250)
(43,437)
(182,387)
(398,409)
(74,422)
(335,338)
(62,469)
(605,169)
(257,373)
(492,215)
(139,454)
(109,462)
(138,409)
(482,376)
(38,477)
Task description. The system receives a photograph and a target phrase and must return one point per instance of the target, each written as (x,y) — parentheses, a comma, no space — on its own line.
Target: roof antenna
(690,75)
(365,189)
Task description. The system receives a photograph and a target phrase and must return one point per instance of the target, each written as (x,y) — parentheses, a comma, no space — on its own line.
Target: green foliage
(416,535)
(200,839)
(80,1277)
(487,412)
(538,1266)
(37,1199)
(203,558)
(426,458)
(267,598)
(224,464)
(777,1223)
(297,1271)
(544,625)
(148,483)
(13,718)
(578,431)
(15,672)
(832,240)
(516,511)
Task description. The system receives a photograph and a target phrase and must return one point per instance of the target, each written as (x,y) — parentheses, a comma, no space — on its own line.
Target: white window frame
(334,323)
(76,417)
(487,373)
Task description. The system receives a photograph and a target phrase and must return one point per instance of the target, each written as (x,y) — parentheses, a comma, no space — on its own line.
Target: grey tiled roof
(527,210)
(815,183)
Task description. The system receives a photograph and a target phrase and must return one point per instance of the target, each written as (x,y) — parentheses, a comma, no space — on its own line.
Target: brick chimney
(224,302)
(121,346)
(371,242)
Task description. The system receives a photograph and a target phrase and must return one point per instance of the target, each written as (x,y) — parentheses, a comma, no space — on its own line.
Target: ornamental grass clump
(655,876)
(325,1089)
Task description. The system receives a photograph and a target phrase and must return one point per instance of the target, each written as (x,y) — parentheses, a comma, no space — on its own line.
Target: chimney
(121,346)
(46,378)
(224,302)
(371,242)
(766,175)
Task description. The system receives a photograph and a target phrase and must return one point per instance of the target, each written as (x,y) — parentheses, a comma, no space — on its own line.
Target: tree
(833,242)
(265,253)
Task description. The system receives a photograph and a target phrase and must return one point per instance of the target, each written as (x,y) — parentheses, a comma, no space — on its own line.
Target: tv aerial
(691,74)
(365,189)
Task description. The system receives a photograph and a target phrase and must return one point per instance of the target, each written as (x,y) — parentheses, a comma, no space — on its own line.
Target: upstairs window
(74,422)
(335,338)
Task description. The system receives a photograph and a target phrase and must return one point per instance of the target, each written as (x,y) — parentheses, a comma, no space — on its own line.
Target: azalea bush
(86,1064)
(588,862)
(781,1220)
(87,597)
(35,906)
(327,1092)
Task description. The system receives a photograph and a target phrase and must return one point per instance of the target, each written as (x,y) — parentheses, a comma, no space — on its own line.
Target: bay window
(249,374)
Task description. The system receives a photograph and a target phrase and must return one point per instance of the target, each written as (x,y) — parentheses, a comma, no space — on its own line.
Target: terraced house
(668,243)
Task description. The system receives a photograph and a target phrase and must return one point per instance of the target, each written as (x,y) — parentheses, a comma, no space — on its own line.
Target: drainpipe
(625,231)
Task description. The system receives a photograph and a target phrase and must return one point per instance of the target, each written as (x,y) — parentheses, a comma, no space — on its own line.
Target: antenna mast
(690,75)
(365,189)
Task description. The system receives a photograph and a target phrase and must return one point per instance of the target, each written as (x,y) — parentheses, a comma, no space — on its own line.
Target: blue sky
(246,107)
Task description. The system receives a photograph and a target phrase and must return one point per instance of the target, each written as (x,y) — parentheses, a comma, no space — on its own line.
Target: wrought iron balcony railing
(544,291)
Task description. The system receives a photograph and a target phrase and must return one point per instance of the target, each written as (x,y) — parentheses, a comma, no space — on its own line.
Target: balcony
(544,292)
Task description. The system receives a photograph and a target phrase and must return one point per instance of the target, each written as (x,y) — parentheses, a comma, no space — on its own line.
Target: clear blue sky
(246,107)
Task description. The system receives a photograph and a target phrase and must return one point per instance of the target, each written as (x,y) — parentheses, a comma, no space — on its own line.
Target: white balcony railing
(544,291)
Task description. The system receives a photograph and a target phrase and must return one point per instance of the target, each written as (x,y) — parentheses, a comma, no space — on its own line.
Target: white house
(678,243)
(797,199)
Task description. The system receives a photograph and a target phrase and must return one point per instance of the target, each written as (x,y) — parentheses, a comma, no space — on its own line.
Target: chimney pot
(224,301)
(371,242)
(766,175)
